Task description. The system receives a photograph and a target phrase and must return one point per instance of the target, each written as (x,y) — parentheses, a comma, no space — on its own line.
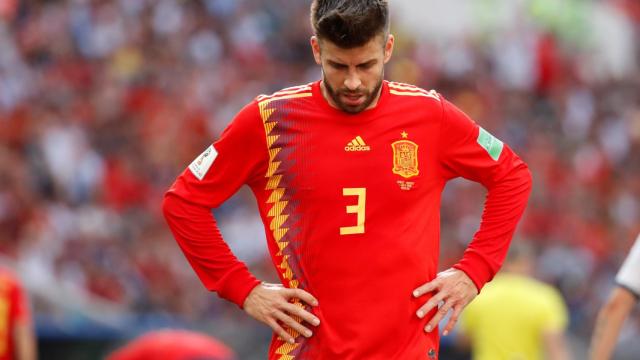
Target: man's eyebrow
(337,62)
(370,62)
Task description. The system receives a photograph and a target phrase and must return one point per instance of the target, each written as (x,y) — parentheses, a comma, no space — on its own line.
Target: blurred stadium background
(103,103)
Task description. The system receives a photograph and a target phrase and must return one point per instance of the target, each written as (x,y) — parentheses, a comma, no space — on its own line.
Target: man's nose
(352,82)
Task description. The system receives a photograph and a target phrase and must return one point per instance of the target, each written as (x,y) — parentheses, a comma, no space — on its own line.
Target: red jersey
(351,207)
(14,309)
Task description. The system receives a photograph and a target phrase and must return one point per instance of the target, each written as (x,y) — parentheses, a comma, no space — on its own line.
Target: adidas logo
(357,144)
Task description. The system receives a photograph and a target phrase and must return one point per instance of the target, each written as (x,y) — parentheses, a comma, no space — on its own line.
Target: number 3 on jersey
(357,209)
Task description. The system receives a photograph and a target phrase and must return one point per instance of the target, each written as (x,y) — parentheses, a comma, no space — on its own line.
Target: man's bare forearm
(556,346)
(25,342)
(609,322)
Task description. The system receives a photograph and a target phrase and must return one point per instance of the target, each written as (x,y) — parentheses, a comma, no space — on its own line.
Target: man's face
(352,77)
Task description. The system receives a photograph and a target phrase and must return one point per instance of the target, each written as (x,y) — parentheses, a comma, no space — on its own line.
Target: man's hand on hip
(452,289)
(270,303)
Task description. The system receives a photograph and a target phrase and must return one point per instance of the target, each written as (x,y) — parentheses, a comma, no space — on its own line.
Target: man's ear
(315,47)
(388,48)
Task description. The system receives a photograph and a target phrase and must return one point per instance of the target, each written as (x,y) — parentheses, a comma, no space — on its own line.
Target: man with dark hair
(348,172)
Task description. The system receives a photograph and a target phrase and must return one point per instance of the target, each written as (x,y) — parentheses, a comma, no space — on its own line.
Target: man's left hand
(452,289)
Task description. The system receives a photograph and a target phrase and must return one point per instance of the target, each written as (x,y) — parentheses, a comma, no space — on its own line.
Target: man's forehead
(362,54)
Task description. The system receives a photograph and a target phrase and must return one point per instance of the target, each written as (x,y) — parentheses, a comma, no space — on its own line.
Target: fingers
(454,290)
(280,331)
(301,313)
(440,314)
(282,309)
(302,295)
(426,288)
(290,315)
(293,324)
(433,302)
(453,319)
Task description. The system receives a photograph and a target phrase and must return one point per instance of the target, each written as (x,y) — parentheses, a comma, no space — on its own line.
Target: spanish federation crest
(405,158)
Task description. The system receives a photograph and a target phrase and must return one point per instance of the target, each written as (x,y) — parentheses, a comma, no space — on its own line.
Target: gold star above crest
(404,134)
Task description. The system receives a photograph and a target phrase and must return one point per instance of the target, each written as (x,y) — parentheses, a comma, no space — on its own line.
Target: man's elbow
(169,205)
(621,301)
(529,176)
(528,179)
(520,179)
(609,307)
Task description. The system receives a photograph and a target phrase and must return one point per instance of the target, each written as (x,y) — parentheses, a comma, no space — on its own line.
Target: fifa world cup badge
(405,158)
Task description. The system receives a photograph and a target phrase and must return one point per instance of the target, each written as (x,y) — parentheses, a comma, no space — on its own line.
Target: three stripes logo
(357,144)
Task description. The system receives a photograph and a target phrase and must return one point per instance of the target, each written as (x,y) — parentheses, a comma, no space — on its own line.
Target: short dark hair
(349,23)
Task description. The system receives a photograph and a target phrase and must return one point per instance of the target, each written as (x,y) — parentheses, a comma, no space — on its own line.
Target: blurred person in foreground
(173,345)
(516,316)
(17,337)
(615,311)
(348,172)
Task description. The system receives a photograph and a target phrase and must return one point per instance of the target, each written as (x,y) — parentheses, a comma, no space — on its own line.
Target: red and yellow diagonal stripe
(280,209)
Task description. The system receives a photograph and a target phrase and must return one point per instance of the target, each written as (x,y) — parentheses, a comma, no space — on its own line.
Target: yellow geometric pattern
(277,212)
(401,89)
(287,91)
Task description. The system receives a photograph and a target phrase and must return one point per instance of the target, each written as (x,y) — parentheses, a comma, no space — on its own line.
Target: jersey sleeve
(469,151)
(628,276)
(238,157)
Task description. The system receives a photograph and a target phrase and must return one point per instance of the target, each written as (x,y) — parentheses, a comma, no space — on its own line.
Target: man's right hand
(269,303)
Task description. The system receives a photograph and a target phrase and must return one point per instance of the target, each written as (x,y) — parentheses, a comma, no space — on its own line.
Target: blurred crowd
(103,103)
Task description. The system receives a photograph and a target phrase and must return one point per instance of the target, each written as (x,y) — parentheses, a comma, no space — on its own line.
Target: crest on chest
(405,158)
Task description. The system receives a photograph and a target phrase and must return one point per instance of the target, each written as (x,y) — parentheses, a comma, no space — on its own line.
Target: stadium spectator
(17,336)
(516,316)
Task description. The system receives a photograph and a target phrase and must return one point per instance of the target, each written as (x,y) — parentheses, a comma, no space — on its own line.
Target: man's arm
(25,343)
(238,157)
(609,322)
(555,321)
(471,152)
(555,344)
(617,308)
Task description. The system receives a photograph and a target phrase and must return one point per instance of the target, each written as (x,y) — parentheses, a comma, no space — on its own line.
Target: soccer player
(615,311)
(348,173)
(516,316)
(17,338)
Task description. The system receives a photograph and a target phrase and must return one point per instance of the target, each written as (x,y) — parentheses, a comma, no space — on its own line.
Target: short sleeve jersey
(629,274)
